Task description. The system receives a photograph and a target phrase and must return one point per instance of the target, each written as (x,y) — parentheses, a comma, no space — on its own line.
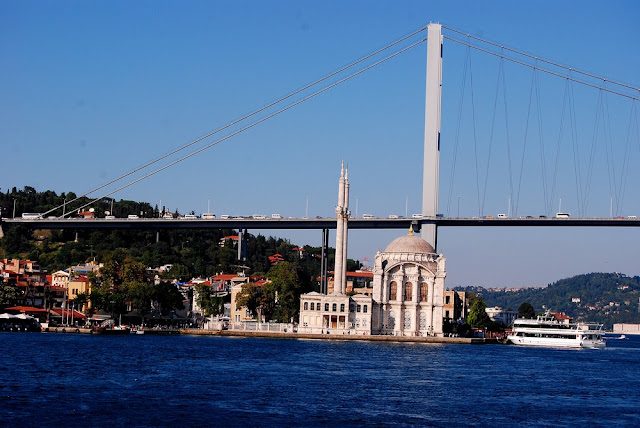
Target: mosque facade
(408,288)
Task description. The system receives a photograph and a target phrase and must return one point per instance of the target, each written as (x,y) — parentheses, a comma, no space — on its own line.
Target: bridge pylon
(432,115)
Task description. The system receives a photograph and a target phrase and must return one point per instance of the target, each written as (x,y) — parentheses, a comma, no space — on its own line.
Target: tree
(8,296)
(525,310)
(179,272)
(80,300)
(478,317)
(167,297)
(287,282)
(251,297)
(139,294)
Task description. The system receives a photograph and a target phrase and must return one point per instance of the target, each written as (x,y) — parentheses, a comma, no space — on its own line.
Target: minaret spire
(345,231)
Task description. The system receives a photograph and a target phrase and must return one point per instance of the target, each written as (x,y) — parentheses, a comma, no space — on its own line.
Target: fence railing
(265,327)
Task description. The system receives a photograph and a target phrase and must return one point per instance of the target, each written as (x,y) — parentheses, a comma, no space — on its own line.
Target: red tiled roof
(357,274)
(360,274)
(223,277)
(25,309)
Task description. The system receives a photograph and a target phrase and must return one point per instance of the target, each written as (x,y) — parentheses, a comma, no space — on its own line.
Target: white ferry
(546,330)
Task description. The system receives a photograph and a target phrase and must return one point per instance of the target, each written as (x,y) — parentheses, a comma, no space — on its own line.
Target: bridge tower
(431,165)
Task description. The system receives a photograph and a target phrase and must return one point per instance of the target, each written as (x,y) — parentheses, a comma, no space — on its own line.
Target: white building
(500,315)
(408,289)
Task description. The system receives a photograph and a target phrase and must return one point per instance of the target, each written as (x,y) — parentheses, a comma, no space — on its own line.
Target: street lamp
(458,205)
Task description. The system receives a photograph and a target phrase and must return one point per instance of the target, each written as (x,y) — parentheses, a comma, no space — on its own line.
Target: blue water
(87,380)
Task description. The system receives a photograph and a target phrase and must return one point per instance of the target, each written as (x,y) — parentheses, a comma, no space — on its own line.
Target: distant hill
(603,297)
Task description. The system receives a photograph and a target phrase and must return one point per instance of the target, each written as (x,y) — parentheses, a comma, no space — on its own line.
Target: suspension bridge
(472,143)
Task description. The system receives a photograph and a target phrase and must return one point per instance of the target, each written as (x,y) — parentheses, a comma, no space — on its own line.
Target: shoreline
(278,335)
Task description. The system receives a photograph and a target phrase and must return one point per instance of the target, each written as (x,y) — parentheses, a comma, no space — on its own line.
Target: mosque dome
(409,244)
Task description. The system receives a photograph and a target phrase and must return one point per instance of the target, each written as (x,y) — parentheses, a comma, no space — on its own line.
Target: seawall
(245,333)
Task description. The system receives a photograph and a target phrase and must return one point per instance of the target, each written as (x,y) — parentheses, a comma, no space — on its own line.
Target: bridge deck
(321,223)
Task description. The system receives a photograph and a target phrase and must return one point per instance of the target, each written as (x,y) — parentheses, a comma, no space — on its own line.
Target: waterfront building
(501,315)
(407,295)
(408,288)
(456,305)
(626,328)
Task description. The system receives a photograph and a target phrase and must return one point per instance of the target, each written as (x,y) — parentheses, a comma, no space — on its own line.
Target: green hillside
(604,297)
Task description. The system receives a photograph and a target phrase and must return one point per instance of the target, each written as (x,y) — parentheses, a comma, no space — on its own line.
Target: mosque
(408,288)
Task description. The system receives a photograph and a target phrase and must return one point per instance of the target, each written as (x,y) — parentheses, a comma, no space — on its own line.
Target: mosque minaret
(342,214)
(407,297)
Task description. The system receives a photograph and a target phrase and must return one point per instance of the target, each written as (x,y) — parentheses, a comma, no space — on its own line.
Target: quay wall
(307,336)
(251,333)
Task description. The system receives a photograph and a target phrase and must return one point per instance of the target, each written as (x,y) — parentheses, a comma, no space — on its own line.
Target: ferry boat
(546,330)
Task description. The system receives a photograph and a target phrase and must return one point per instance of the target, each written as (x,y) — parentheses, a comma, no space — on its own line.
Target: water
(57,379)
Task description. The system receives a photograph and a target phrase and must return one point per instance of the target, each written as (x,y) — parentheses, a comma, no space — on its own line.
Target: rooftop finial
(410,230)
(342,169)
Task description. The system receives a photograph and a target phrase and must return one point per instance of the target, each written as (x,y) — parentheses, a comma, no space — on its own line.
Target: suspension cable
(257,122)
(241,119)
(553,73)
(555,64)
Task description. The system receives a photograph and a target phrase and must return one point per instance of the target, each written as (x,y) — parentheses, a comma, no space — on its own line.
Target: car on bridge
(132,217)
(368,216)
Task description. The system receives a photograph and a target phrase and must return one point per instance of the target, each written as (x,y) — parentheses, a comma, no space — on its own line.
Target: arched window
(408,292)
(318,307)
(364,309)
(312,306)
(326,307)
(306,306)
(424,292)
(342,307)
(334,307)
(393,290)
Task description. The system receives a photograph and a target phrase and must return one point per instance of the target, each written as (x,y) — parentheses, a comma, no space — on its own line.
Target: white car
(276,216)
(132,217)
(393,216)
(259,217)
(416,216)
(368,216)
(109,217)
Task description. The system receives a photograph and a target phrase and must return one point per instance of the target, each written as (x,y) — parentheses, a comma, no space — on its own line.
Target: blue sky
(91,90)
